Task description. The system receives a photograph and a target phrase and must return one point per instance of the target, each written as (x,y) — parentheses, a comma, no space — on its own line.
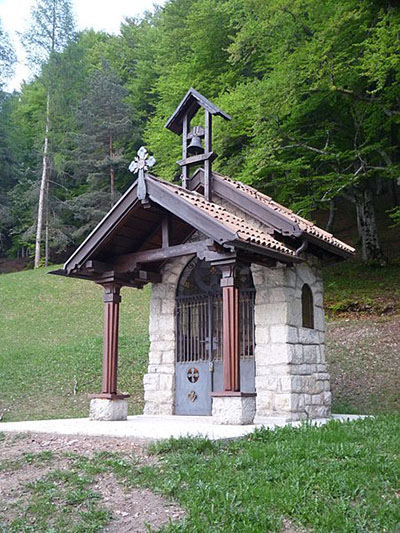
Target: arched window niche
(307,307)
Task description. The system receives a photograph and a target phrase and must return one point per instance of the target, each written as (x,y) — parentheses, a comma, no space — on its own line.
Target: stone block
(297,384)
(278,334)
(167,381)
(155,357)
(296,355)
(262,335)
(151,381)
(282,402)
(277,295)
(159,396)
(234,410)
(294,312)
(266,383)
(309,336)
(168,357)
(108,410)
(317,399)
(165,334)
(168,307)
(279,354)
(265,403)
(311,353)
(155,305)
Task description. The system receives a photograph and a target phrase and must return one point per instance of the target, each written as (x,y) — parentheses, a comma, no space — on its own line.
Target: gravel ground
(131,509)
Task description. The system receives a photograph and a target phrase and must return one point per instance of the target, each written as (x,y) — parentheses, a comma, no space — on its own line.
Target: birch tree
(51,29)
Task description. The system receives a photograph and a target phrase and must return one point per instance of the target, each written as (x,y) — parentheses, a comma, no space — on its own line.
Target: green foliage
(51,28)
(7,56)
(313,90)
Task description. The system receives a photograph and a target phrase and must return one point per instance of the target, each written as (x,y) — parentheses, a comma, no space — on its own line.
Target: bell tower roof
(190,104)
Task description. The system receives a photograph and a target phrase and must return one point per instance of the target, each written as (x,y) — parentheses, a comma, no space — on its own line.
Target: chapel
(237,328)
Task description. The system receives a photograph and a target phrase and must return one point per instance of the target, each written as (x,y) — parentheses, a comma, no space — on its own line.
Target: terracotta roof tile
(305,225)
(245,232)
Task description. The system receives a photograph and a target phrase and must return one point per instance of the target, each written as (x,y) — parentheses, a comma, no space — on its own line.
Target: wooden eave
(104,228)
(163,198)
(190,104)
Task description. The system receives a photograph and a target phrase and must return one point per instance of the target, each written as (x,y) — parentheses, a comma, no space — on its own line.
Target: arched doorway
(199,336)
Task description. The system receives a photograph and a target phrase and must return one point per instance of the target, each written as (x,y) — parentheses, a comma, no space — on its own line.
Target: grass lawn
(51,332)
(342,477)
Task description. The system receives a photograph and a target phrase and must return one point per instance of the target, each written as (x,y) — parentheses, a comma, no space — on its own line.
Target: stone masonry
(159,382)
(291,372)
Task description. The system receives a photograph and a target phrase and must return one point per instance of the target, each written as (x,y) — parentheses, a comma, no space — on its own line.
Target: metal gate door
(199,337)
(193,376)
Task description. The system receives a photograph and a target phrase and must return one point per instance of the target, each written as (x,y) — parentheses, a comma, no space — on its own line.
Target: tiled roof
(305,225)
(245,232)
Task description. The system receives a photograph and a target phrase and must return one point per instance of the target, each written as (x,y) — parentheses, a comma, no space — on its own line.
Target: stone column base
(106,409)
(234,410)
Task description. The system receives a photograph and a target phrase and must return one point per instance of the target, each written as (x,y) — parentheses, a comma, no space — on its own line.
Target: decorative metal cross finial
(140,165)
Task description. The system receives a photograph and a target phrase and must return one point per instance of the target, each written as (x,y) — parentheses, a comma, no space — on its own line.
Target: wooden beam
(165,231)
(128,262)
(249,205)
(194,159)
(230,328)
(111,301)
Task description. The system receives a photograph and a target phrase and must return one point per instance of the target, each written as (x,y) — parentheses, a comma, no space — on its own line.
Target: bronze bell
(195,147)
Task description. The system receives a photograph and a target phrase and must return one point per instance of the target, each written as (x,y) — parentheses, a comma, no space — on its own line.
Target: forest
(313,89)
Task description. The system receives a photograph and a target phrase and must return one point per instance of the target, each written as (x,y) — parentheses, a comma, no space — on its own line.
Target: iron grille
(199,327)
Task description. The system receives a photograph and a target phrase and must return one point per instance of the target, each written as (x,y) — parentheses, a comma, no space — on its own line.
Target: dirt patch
(27,458)
(363,357)
(12,265)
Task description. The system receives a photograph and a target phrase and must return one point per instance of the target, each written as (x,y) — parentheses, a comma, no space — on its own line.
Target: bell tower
(196,141)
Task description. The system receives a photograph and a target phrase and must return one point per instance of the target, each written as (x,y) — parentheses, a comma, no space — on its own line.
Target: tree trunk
(331,219)
(367,227)
(46,238)
(112,174)
(43,185)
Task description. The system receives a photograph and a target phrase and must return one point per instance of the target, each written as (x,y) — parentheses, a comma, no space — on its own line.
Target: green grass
(342,477)
(338,478)
(351,286)
(51,338)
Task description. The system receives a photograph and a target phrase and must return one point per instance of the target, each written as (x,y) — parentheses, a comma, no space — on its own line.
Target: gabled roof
(131,227)
(304,225)
(190,104)
(273,215)
(191,208)
(242,231)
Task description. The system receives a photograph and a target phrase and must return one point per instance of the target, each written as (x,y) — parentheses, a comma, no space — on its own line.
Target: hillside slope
(52,331)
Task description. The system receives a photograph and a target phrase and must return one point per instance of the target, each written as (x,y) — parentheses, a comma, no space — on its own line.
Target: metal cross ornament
(140,165)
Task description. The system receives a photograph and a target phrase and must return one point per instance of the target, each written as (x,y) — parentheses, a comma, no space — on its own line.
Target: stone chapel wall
(291,373)
(159,382)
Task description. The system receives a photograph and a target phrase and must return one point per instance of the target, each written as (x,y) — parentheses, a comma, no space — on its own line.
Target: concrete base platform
(151,428)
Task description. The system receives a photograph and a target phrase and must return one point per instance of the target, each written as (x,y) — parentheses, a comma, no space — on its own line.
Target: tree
(7,56)
(51,29)
(104,120)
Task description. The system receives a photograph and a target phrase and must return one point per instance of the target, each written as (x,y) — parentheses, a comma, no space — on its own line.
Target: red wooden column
(111,301)
(230,329)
